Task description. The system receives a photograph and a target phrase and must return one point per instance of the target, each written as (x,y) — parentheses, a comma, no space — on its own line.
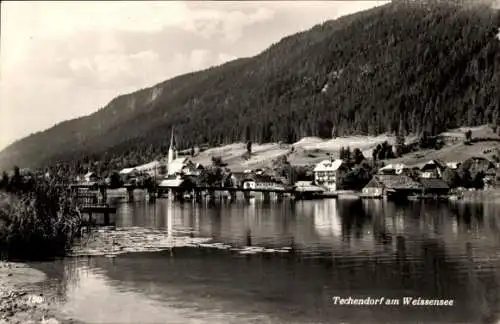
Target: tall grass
(37,223)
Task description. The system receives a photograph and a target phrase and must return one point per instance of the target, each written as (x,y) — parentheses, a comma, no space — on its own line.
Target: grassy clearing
(312,150)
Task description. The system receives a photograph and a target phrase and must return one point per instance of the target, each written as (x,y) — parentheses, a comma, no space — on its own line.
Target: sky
(61,60)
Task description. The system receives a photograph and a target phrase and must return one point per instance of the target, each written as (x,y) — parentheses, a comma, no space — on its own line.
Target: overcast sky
(60,60)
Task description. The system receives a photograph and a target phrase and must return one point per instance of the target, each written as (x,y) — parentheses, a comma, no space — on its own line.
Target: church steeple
(172,139)
(171,149)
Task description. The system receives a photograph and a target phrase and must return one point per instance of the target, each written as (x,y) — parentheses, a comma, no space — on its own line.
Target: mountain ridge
(361,73)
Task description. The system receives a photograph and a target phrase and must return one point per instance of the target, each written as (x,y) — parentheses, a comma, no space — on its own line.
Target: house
(307,190)
(127,174)
(177,165)
(391,185)
(453,165)
(432,169)
(434,187)
(329,173)
(248,184)
(395,169)
(307,186)
(171,182)
(90,177)
(262,182)
(237,178)
(191,168)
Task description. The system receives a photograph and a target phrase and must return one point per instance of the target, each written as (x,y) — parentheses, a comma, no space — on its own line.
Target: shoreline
(20,304)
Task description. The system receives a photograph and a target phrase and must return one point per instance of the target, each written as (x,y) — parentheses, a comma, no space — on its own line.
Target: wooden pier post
(106,219)
(130,194)
(266,196)
(104,194)
(246,195)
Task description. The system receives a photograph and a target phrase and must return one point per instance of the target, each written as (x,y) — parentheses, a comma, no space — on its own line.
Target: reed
(38,223)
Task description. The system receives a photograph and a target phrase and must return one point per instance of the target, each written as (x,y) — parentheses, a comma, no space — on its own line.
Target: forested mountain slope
(436,66)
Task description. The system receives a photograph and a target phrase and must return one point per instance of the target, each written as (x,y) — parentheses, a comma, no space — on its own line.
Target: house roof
(89,174)
(453,165)
(391,181)
(433,163)
(398,166)
(328,165)
(430,183)
(126,171)
(170,183)
(176,165)
(307,186)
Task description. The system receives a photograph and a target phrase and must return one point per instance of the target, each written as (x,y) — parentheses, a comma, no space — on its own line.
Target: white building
(453,165)
(176,166)
(192,169)
(328,172)
(432,169)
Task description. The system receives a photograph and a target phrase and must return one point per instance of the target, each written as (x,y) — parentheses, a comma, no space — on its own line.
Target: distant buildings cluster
(429,178)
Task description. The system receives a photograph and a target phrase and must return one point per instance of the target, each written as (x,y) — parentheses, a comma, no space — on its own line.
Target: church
(175,164)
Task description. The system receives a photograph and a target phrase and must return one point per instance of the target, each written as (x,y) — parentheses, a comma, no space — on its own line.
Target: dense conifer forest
(410,68)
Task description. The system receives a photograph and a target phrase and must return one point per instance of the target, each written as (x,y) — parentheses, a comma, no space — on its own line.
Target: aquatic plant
(37,224)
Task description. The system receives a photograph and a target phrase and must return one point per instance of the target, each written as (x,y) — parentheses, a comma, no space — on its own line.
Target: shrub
(38,224)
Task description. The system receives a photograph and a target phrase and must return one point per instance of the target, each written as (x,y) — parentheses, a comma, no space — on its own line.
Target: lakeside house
(383,185)
(177,166)
(432,169)
(238,178)
(262,182)
(130,172)
(307,190)
(327,173)
(434,187)
(307,186)
(192,169)
(171,181)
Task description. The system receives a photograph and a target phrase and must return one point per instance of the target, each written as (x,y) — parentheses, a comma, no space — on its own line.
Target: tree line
(396,68)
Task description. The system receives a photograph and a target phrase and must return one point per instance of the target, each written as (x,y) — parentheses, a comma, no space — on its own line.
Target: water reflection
(362,248)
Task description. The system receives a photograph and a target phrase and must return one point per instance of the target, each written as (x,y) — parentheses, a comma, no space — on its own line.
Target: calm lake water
(335,248)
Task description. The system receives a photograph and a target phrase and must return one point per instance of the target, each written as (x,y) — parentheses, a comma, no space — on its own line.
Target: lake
(286,262)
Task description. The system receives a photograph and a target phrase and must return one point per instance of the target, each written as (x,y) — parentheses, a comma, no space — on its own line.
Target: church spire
(172,139)
(171,148)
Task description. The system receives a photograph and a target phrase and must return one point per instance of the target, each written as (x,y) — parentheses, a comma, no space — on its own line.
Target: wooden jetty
(92,199)
(197,192)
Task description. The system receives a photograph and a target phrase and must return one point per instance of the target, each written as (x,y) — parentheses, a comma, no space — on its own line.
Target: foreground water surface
(284,262)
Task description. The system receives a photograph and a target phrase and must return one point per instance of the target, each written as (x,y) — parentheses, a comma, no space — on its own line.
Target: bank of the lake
(21,301)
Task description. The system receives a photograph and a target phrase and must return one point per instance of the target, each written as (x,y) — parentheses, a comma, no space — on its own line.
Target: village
(350,175)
